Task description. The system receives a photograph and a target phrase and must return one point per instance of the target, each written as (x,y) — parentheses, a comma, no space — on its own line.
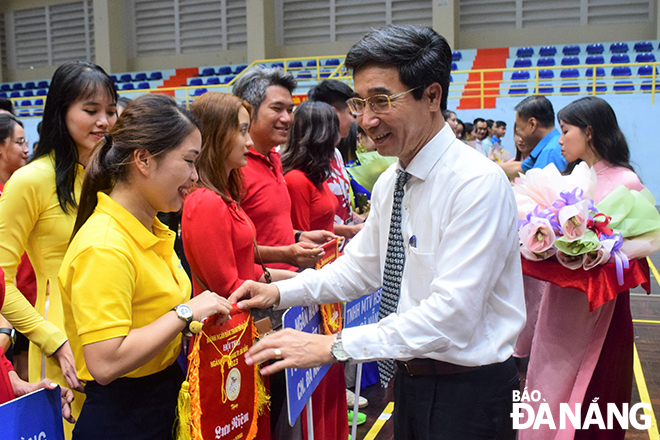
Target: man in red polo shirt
(266,198)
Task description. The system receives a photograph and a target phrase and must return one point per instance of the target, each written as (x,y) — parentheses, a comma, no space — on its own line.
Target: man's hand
(22,388)
(304,254)
(317,237)
(253,295)
(64,356)
(295,349)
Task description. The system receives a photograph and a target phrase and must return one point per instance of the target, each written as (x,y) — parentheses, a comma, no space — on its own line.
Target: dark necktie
(394,261)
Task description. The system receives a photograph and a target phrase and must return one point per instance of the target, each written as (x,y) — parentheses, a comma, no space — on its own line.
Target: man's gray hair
(251,86)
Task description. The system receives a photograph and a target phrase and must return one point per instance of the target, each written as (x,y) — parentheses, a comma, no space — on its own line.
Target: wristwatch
(11,333)
(337,350)
(184,312)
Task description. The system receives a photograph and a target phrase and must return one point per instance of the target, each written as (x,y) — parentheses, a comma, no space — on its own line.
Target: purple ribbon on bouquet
(543,213)
(620,258)
(571,198)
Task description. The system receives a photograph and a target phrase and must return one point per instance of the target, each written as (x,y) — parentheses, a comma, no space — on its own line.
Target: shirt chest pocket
(419,273)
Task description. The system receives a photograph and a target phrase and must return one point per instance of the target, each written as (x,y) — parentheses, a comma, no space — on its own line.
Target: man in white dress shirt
(454,269)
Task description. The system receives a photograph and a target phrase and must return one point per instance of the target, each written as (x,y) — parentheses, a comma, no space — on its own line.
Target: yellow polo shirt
(117,276)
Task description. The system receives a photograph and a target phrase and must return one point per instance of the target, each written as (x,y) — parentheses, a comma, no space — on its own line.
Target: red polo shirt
(266,201)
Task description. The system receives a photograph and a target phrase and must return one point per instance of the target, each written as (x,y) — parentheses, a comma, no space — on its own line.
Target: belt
(431,367)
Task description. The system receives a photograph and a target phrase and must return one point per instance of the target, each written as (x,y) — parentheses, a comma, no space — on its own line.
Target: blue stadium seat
(570,61)
(546,74)
(38,113)
(113,78)
(15,95)
(24,113)
(295,65)
(571,50)
(645,58)
(624,86)
(548,51)
(600,87)
(156,76)
(214,80)
(277,65)
(42,84)
(619,48)
(208,71)
(570,88)
(240,68)
(456,55)
(311,63)
(589,73)
(26,103)
(332,62)
(42,92)
(621,71)
(620,58)
(454,66)
(545,62)
(228,79)
(595,59)
(199,92)
(3,94)
(28,93)
(30,85)
(38,102)
(645,71)
(5,87)
(569,73)
(126,77)
(128,86)
(140,77)
(518,90)
(226,70)
(647,86)
(17,86)
(525,52)
(304,75)
(195,82)
(595,49)
(522,62)
(143,86)
(327,73)
(520,75)
(643,46)
(545,89)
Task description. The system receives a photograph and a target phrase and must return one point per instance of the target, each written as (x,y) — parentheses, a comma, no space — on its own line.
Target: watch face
(184,311)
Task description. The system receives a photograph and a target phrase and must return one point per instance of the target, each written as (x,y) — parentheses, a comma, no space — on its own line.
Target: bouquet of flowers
(559,219)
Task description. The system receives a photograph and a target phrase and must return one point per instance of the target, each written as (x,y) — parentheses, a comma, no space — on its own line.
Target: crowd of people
(95,269)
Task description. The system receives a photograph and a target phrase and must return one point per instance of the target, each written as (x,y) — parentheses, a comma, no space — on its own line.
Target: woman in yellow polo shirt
(125,294)
(38,209)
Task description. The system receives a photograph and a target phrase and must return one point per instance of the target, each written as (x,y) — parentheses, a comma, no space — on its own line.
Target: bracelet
(11,333)
(297,235)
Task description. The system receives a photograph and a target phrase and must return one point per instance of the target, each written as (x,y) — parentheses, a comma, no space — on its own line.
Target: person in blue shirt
(535,123)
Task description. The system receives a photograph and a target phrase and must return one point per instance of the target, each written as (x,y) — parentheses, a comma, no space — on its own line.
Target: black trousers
(474,405)
(142,408)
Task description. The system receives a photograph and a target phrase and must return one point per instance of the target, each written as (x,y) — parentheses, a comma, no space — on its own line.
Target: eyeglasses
(377,103)
(21,141)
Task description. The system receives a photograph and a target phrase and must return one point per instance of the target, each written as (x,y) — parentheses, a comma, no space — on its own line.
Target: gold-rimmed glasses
(377,103)
(21,141)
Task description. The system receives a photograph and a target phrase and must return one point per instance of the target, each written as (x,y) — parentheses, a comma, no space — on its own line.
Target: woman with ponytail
(125,297)
(38,209)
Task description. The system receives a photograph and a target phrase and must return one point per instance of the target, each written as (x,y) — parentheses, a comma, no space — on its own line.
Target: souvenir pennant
(331,322)
(226,395)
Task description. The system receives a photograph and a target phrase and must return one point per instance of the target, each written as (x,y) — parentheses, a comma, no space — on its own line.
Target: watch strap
(9,332)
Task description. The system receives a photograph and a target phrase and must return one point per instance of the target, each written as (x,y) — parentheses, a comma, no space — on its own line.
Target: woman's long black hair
(607,138)
(71,81)
(312,140)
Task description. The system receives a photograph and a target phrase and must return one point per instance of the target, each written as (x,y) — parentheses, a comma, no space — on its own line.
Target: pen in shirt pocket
(412,243)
